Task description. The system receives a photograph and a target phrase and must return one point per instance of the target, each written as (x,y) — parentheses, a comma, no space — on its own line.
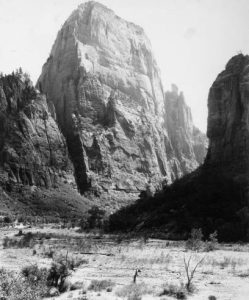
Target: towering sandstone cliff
(105,85)
(228,120)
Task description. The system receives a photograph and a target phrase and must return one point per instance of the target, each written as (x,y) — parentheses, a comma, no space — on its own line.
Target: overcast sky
(192,39)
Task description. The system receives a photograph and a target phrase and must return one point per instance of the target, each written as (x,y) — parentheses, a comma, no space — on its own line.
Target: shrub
(78,285)
(212,243)
(61,269)
(34,283)
(22,287)
(100,285)
(133,291)
(195,240)
(49,253)
(58,273)
(96,217)
(34,274)
(26,241)
(176,291)
(7,219)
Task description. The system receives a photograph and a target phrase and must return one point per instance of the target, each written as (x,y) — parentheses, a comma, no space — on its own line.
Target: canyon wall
(32,149)
(228,119)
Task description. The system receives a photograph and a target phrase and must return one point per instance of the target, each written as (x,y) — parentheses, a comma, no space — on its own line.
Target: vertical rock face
(228,120)
(105,85)
(188,142)
(32,149)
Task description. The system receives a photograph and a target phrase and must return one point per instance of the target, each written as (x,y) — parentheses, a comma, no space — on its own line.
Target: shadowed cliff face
(215,196)
(228,120)
(105,85)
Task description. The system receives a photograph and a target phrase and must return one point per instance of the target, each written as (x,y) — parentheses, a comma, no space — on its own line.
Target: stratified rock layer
(105,85)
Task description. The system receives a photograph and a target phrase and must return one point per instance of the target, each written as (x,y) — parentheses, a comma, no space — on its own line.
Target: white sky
(192,39)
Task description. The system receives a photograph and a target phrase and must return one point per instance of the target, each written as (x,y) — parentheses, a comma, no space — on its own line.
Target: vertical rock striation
(33,151)
(105,85)
(228,119)
(188,142)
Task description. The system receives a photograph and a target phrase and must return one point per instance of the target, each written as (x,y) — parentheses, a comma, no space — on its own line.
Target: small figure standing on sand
(135,275)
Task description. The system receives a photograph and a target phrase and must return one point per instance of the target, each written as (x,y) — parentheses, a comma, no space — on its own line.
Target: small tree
(96,217)
(58,273)
(190,272)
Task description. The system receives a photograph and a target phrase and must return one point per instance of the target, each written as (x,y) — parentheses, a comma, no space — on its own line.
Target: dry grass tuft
(100,285)
(176,291)
(133,291)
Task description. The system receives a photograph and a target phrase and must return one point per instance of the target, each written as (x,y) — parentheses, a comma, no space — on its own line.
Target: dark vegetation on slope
(207,199)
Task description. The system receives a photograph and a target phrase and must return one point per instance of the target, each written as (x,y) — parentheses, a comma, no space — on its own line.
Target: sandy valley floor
(224,273)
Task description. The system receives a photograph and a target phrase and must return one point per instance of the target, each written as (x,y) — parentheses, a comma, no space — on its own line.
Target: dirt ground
(224,273)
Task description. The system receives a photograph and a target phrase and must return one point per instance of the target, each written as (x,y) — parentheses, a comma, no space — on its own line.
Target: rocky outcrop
(188,142)
(32,149)
(105,85)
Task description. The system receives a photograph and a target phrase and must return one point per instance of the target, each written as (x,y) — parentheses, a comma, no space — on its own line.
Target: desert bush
(133,291)
(195,241)
(212,242)
(35,274)
(61,269)
(95,219)
(212,298)
(23,286)
(226,262)
(26,241)
(100,285)
(244,274)
(176,291)
(7,220)
(134,296)
(49,253)
(58,273)
(78,285)
(74,262)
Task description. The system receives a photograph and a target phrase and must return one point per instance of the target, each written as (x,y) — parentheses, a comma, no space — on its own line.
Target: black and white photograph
(124,149)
